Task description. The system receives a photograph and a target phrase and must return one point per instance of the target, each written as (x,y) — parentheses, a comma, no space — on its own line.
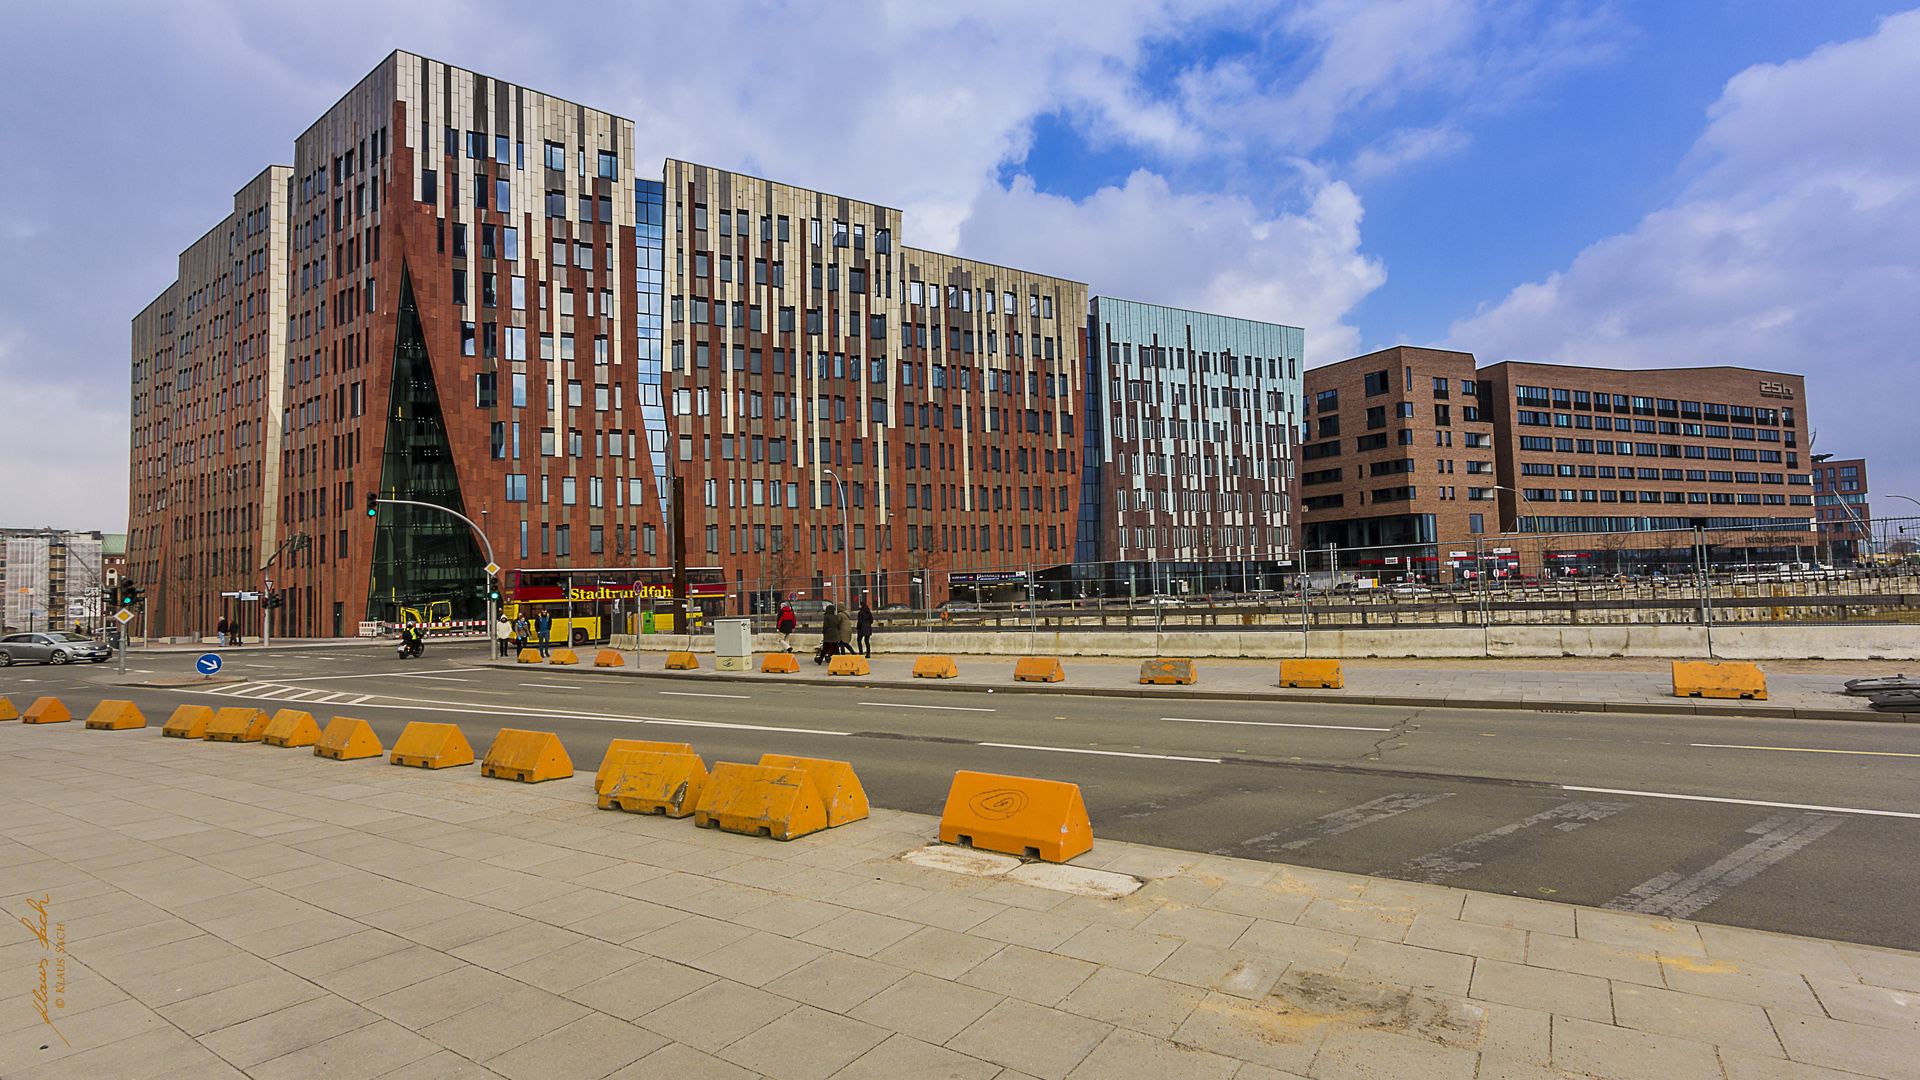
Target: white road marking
(684,693)
(1342,821)
(1681,897)
(304,695)
(375,675)
(361,698)
(1802,749)
(1269,723)
(442,678)
(1744,802)
(1102,753)
(1453,860)
(550,686)
(275,692)
(903,705)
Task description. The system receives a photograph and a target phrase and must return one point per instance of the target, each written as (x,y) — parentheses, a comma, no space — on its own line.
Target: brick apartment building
(1843,515)
(468,293)
(1545,449)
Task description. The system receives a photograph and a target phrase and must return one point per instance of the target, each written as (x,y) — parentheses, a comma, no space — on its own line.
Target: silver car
(52,647)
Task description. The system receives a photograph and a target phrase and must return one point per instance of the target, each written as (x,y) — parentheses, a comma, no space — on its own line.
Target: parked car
(52,647)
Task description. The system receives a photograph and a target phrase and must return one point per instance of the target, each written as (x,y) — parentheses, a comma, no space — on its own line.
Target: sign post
(124,617)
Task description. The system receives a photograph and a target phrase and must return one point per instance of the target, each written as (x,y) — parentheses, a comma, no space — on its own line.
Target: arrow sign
(208,664)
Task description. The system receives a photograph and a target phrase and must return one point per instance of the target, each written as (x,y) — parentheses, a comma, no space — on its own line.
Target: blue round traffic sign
(208,664)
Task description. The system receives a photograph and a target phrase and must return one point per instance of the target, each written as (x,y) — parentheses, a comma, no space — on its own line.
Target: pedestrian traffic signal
(373,503)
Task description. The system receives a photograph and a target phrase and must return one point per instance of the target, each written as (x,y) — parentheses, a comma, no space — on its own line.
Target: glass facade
(649,216)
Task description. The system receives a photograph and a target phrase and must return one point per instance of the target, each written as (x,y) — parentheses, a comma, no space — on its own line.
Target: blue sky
(1630,183)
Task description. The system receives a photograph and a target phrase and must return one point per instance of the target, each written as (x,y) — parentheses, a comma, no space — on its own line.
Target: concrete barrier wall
(1739,642)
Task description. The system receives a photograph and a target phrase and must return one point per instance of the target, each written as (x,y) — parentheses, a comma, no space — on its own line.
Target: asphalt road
(1673,819)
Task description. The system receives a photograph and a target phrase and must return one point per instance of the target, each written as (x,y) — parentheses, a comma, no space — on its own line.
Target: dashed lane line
(902,705)
(1268,723)
(1803,750)
(1100,753)
(1743,802)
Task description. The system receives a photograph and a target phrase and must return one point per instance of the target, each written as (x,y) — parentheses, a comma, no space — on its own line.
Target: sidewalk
(1805,697)
(239,910)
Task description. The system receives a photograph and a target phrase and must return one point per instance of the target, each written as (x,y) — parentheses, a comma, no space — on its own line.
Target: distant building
(1842,515)
(53,578)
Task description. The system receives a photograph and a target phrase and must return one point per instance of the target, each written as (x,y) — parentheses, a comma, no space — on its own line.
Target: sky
(1634,183)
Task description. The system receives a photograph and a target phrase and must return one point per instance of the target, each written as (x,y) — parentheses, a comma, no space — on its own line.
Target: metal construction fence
(1753,574)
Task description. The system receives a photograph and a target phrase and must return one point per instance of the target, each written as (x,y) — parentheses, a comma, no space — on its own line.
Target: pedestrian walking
(863,629)
(220,629)
(833,634)
(542,629)
(787,624)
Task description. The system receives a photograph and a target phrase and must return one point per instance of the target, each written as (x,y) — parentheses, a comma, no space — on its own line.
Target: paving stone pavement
(228,910)
(1804,696)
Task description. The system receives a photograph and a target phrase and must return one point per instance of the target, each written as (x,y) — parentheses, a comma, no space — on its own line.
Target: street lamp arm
(846,535)
(1909,498)
(477,530)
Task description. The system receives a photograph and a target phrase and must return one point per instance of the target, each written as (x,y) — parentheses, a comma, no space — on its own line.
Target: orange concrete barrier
(609,658)
(188,722)
(1167,672)
(1319,673)
(935,667)
(648,782)
(7,711)
(840,791)
(1718,679)
(682,661)
(347,739)
(563,656)
(1038,819)
(46,710)
(1038,669)
(848,664)
(526,756)
(115,716)
(760,800)
(530,656)
(291,727)
(431,746)
(237,724)
(641,746)
(779,663)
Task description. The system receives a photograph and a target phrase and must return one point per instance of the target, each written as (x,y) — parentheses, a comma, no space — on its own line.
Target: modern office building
(467,293)
(1397,450)
(1188,443)
(1598,450)
(843,403)
(1454,452)
(1843,516)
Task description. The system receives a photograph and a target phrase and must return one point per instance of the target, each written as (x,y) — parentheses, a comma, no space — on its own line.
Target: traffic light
(493,589)
(373,503)
(129,595)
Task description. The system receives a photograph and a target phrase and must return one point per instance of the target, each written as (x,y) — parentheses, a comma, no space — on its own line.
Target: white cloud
(1795,248)
(1219,253)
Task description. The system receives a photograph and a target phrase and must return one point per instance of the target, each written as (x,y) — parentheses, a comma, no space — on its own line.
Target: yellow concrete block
(779,663)
(526,756)
(1320,673)
(645,782)
(563,656)
(1718,679)
(1166,672)
(530,656)
(760,801)
(237,724)
(848,664)
(291,727)
(431,746)
(1038,669)
(840,791)
(638,746)
(609,658)
(1038,819)
(935,667)
(188,722)
(682,661)
(115,716)
(46,710)
(347,739)
(7,711)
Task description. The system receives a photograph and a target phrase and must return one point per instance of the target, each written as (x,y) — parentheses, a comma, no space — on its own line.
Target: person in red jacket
(787,624)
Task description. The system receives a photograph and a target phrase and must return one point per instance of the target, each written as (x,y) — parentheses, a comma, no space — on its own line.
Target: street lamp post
(492,644)
(846,535)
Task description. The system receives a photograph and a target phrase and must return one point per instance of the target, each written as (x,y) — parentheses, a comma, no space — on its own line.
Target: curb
(1753,711)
